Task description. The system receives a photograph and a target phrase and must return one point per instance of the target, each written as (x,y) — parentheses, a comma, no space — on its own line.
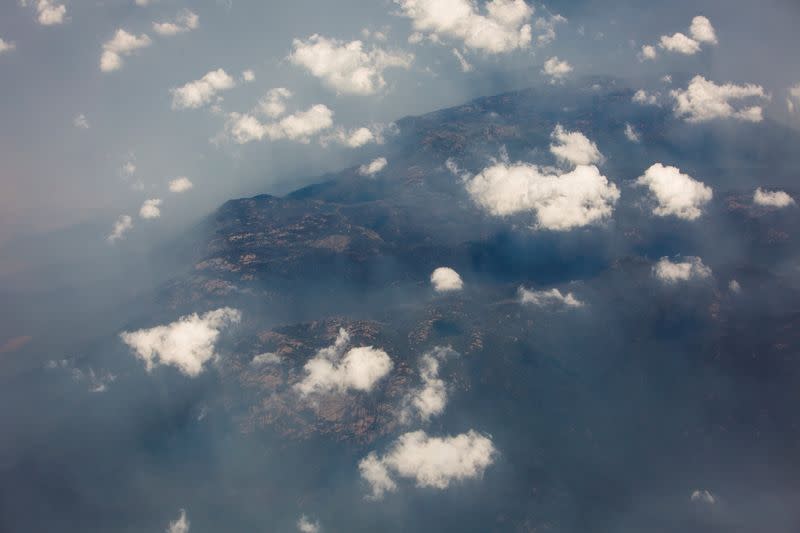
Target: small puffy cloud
(300,126)
(6,46)
(772,198)
(431,398)
(462,61)
(704,100)
(273,104)
(268,358)
(671,273)
(200,92)
(248,76)
(144,3)
(676,194)
(187,344)
(556,69)
(734,287)
(793,100)
(702,30)
(703,496)
(81,122)
(546,28)
(347,67)
(446,279)
(373,167)
(631,134)
(574,147)
(433,462)
(150,208)
(561,202)
(48,12)
(181,184)
(548,298)
(181,525)
(647,53)
(503,28)
(122,44)
(357,137)
(360,137)
(644,98)
(123,224)
(305,525)
(679,43)
(185,21)
(337,369)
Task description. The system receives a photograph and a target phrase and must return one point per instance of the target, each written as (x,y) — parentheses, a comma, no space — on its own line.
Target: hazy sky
(79,143)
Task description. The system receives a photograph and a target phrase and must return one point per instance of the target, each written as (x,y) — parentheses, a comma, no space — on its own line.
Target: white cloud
(772,198)
(704,100)
(446,279)
(143,3)
(150,208)
(181,525)
(677,194)
(643,97)
(793,100)
(357,137)
(187,344)
(185,21)
(503,28)
(671,273)
(123,224)
(465,65)
(648,53)
(703,496)
(6,46)
(734,286)
(300,126)
(547,29)
(305,525)
(561,202)
(337,369)
(273,104)
(122,44)
(430,399)
(48,13)
(200,92)
(679,43)
(556,69)
(434,462)
(80,121)
(248,76)
(548,298)
(574,147)
(267,358)
(373,167)
(702,30)
(347,67)
(631,134)
(666,78)
(180,184)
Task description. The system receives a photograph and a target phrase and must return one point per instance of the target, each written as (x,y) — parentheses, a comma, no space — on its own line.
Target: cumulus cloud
(339,369)
(300,126)
(548,298)
(267,358)
(48,12)
(431,398)
(273,104)
(556,69)
(347,67)
(357,137)
(574,147)
(703,100)
(187,344)
(200,92)
(180,184)
(81,122)
(373,167)
(123,224)
(181,525)
(702,30)
(679,43)
(734,286)
(648,53)
(305,525)
(433,462)
(122,44)
(631,134)
(446,279)
(792,101)
(772,198)
(185,21)
(547,29)
(150,208)
(671,273)
(248,76)
(6,46)
(676,194)
(643,97)
(561,202)
(503,28)
(703,496)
